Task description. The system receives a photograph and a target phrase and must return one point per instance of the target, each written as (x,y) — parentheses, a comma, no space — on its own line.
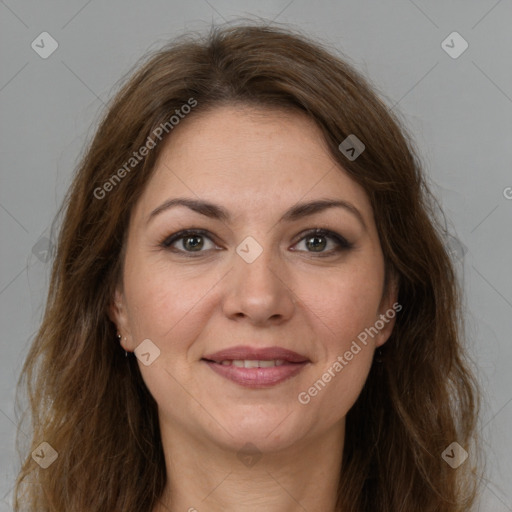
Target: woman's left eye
(317,241)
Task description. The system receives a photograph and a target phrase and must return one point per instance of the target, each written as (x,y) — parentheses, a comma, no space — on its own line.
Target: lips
(245,353)
(256,367)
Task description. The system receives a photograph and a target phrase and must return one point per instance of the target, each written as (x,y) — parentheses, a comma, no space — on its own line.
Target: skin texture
(257,164)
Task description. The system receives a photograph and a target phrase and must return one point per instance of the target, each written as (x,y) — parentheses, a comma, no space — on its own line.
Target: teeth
(249,363)
(265,364)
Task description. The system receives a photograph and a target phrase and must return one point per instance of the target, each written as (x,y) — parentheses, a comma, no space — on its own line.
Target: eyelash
(341,242)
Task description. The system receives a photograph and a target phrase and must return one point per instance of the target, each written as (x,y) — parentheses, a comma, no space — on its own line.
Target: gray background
(459,112)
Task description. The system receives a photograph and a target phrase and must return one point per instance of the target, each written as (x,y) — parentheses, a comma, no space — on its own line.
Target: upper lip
(241,353)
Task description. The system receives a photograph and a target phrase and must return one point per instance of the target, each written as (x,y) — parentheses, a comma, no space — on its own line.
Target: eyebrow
(296,212)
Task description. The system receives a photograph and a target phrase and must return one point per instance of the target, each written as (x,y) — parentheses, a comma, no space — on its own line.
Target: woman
(251,307)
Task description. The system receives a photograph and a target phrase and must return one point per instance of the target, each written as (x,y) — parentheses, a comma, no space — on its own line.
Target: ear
(117,313)
(388,309)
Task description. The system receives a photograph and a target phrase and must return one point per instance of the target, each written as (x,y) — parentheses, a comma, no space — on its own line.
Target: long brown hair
(90,403)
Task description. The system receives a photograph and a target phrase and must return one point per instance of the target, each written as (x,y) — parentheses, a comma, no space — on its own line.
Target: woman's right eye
(189,241)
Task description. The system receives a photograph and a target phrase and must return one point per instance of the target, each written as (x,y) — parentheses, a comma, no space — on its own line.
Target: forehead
(247,157)
(241,133)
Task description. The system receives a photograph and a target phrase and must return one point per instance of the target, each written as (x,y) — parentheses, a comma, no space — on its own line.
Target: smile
(249,363)
(256,374)
(256,367)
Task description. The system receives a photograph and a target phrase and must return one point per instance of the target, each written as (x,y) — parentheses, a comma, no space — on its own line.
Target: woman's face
(252,278)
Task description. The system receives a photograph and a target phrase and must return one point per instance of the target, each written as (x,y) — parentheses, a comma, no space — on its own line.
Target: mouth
(256,368)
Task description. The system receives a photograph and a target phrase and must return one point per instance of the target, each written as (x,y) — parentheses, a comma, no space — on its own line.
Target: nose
(258,292)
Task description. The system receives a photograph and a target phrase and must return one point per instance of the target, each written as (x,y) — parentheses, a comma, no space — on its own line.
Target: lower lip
(257,377)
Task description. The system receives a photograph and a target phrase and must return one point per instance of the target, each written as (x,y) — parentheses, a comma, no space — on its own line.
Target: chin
(268,432)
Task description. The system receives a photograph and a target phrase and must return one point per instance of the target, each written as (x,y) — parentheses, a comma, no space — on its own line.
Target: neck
(205,477)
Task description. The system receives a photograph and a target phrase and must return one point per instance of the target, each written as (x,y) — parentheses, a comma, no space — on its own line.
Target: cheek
(161,298)
(337,387)
(342,304)
(342,309)
(170,308)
